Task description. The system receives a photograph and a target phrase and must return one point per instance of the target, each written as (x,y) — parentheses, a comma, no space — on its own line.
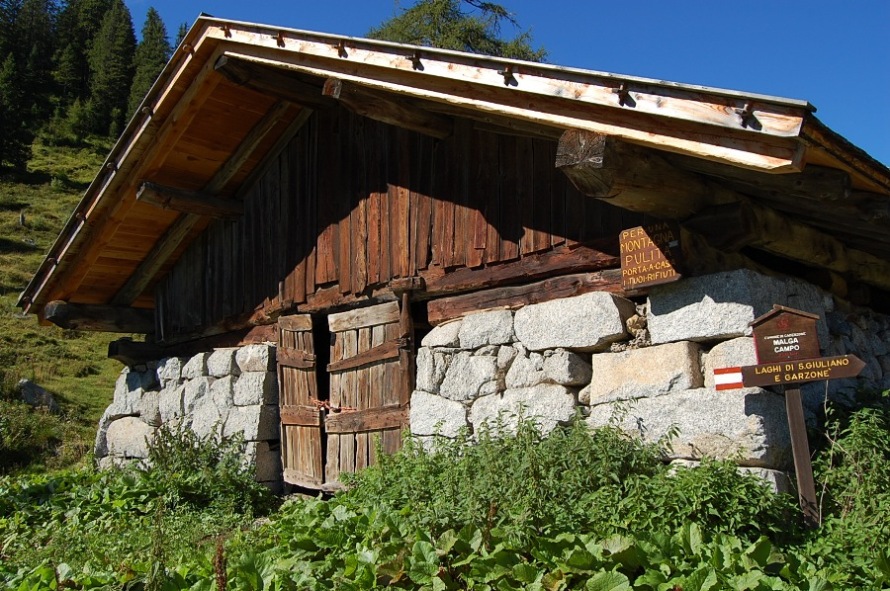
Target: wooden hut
(339,196)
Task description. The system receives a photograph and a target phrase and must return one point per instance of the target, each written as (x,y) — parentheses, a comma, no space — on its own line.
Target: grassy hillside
(71,364)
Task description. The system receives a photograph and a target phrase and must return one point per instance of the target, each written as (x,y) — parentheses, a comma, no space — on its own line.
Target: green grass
(576,510)
(70,364)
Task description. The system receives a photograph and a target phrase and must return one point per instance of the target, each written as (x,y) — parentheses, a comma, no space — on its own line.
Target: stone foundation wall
(225,392)
(647,366)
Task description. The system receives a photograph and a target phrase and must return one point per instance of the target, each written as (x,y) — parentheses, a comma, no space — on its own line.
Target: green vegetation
(575,510)
(68,363)
(70,70)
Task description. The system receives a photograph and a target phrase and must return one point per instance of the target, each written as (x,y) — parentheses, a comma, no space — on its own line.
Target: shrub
(203,472)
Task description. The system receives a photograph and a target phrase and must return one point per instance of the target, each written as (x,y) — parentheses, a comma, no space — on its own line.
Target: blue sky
(834,54)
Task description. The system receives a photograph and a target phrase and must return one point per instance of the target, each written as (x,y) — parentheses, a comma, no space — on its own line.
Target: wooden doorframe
(370,379)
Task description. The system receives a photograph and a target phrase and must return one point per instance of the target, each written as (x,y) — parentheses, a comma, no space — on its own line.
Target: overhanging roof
(234,91)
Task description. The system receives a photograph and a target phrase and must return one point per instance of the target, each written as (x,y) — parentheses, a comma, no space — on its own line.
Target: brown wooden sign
(785,334)
(802,370)
(649,255)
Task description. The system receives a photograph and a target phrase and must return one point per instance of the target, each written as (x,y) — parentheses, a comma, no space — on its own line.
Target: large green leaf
(608,581)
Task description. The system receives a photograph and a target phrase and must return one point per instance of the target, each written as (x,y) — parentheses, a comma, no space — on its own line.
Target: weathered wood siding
(352,203)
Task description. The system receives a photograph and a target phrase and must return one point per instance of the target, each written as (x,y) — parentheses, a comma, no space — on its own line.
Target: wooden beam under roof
(179,231)
(189,201)
(98,222)
(714,107)
(387,109)
(273,82)
(630,177)
(666,117)
(101,318)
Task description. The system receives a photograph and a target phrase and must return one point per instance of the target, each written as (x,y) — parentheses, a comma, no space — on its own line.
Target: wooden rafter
(273,82)
(389,110)
(100,223)
(188,201)
(182,227)
(560,105)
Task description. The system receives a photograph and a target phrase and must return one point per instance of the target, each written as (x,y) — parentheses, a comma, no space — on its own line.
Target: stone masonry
(645,366)
(225,392)
(553,360)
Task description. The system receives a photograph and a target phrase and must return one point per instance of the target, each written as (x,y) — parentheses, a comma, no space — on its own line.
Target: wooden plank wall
(352,203)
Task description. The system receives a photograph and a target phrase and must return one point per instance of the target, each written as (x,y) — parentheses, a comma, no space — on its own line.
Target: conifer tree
(35,28)
(79,22)
(180,34)
(111,70)
(447,24)
(152,54)
(15,133)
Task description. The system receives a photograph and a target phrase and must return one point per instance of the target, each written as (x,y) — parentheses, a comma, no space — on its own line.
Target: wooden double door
(344,386)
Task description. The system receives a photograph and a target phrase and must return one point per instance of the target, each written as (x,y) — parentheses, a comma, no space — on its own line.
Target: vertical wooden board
(557,199)
(348,383)
(257,248)
(332,463)
(400,205)
(359,213)
(411,181)
(542,166)
(437,177)
(208,297)
(510,219)
(245,284)
(344,198)
(386,170)
(574,213)
(328,171)
(478,200)
(198,279)
(261,237)
(489,178)
(375,387)
(422,204)
(290,171)
(295,223)
(226,254)
(363,399)
(459,155)
(391,439)
(525,197)
(308,188)
(374,220)
(277,238)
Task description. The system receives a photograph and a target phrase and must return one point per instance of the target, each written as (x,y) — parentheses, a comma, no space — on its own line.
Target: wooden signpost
(649,255)
(787,347)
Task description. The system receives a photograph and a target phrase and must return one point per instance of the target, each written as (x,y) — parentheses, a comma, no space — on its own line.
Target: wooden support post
(406,351)
(803,467)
